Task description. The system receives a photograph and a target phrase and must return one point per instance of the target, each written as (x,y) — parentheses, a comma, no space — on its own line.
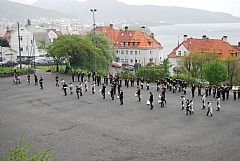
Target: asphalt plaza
(93,129)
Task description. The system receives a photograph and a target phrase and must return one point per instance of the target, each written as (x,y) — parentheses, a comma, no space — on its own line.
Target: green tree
(195,61)
(104,46)
(4,42)
(215,72)
(233,64)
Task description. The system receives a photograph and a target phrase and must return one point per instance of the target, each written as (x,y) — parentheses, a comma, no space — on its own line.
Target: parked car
(116,65)
(129,68)
(41,61)
(2,63)
(11,63)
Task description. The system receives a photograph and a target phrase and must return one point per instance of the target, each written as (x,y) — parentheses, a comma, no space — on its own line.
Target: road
(93,129)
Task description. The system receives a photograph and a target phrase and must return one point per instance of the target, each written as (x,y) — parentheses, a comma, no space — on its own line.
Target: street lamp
(94,35)
(1,53)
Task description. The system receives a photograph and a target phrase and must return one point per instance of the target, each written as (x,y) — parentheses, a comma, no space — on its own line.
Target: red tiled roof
(133,38)
(224,49)
(7,35)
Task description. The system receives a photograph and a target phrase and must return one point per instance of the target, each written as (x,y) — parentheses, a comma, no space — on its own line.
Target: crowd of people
(218,93)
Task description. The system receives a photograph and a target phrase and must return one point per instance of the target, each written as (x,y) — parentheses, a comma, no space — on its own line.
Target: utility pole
(94,36)
(19,46)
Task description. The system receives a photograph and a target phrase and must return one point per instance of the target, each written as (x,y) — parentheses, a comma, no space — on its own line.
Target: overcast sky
(229,6)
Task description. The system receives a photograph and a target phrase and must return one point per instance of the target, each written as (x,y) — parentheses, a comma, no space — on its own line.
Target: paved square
(93,129)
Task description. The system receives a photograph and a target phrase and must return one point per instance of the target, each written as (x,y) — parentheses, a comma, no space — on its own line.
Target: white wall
(141,55)
(27,43)
(52,35)
(8,54)
(183,51)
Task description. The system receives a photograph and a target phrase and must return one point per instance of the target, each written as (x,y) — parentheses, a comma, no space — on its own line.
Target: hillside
(114,10)
(17,11)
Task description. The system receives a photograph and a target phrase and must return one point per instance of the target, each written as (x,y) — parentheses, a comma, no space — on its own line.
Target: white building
(8,53)
(31,39)
(53,34)
(133,46)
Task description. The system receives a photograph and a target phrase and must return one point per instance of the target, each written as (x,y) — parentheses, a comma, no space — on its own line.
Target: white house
(31,38)
(8,53)
(133,46)
(202,45)
(53,34)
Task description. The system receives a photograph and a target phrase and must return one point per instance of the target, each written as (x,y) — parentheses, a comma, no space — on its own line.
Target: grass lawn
(7,70)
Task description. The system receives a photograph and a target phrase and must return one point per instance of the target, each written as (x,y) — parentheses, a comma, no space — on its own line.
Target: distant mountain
(17,11)
(114,10)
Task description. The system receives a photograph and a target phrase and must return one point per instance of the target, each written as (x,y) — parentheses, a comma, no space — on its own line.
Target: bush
(186,78)
(127,74)
(21,153)
(151,73)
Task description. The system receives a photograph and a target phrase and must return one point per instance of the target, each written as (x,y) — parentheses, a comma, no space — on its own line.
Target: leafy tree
(79,51)
(233,64)
(104,46)
(4,42)
(166,67)
(195,61)
(215,72)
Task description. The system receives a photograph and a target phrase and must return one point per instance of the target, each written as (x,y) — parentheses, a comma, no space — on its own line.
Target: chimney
(29,22)
(185,37)
(126,28)
(224,38)
(111,25)
(152,35)
(204,37)
(238,44)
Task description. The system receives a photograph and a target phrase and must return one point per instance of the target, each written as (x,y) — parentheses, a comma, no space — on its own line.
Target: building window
(122,51)
(126,44)
(135,52)
(126,60)
(131,60)
(179,53)
(131,52)
(150,52)
(117,51)
(139,52)
(122,60)
(122,44)
(126,52)
(185,52)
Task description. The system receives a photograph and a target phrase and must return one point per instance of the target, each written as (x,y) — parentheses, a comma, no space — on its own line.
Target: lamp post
(1,53)
(19,46)
(94,35)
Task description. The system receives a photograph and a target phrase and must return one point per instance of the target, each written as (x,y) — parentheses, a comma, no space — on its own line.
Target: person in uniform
(187,107)
(193,90)
(65,86)
(183,102)
(36,79)
(142,82)
(93,88)
(77,91)
(191,107)
(71,88)
(138,94)
(151,100)
(41,82)
(73,77)
(103,91)
(81,89)
(28,79)
(112,92)
(234,94)
(147,85)
(86,85)
(199,89)
(57,79)
(203,101)
(210,111)
(218,103)
(132,82)
(121,97)
(138,79)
